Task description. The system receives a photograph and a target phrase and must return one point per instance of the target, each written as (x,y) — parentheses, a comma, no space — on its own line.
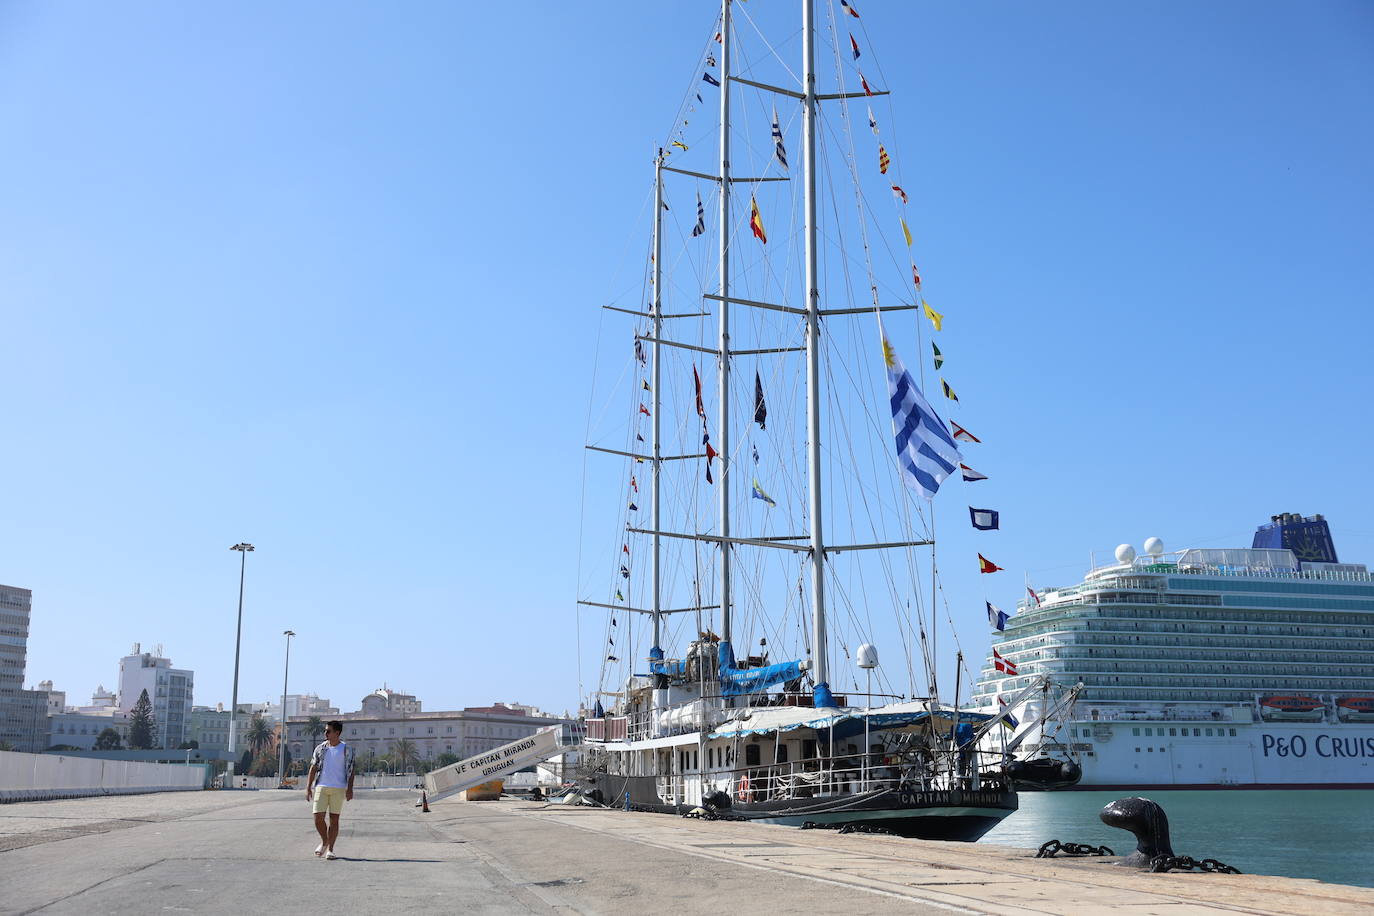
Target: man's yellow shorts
(329,798)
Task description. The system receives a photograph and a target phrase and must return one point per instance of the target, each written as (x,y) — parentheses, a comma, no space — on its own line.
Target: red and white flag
(1002,664)
(960,433)
(1033,596)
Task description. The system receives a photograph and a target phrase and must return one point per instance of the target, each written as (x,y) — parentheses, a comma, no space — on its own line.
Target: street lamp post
(281,742)
(244,549)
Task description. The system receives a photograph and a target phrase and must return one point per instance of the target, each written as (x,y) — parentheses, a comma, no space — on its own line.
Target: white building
(301,704)
(168,688)
(80,729)
(384,700)
(465,733)
(210,727)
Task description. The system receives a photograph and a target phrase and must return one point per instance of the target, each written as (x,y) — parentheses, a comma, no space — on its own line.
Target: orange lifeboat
(1290,707)
(1355,709)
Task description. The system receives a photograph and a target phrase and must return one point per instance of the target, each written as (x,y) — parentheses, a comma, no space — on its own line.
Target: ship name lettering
(1328,746)
(1295,746)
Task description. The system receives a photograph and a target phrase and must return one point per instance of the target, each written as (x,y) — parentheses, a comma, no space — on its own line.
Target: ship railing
(825,776)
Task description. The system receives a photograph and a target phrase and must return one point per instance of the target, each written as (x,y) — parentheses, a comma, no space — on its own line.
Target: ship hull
(1259,755)
(944,814)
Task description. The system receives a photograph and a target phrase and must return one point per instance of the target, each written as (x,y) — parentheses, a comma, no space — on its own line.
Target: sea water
(1300,833)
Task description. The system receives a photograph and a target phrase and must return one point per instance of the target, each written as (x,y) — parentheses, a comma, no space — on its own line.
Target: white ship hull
(1257,755)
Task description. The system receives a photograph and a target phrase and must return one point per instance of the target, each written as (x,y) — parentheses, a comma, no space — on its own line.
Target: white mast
(655,605)
(819,661)
(726,615)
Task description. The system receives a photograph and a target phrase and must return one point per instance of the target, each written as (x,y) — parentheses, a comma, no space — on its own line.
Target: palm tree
(259,735)
(404,752)
(314,727)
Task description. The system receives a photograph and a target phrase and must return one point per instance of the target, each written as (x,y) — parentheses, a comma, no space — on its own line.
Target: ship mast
(655,604)
(819,661)
(726,603)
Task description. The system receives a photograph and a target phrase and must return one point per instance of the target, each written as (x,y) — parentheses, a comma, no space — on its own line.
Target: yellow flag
(935,317)
(906,232)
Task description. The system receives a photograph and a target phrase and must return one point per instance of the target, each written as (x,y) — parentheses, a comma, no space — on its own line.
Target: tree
(260,736)
(403,749)
(445,759)
(264,764)
(142,728)
(366,762)
(245,763)
(64,747)
(6,746)
(314,727)
(189,746)
(108,740)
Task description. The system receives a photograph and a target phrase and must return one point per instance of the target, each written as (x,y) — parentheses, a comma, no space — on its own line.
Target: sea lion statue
(1147,821)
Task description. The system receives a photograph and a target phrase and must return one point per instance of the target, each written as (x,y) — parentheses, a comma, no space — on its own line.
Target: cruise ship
(1202,668)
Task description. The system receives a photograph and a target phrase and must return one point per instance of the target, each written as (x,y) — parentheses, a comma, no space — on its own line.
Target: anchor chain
(1048,850)
(1188,863)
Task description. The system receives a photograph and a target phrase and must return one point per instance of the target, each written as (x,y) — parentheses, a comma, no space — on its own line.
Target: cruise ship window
(1233,732)
(1135,731)
(1209,733)
(1197,733)
(1173,732)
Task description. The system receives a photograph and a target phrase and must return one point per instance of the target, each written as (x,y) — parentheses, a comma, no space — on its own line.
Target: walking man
(332,766)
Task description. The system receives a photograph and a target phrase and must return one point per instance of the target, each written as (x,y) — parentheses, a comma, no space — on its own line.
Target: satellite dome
(867,655)
(1125,553)
(1154,546)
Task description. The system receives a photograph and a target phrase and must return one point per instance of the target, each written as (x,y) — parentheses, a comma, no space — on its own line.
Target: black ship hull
(963,815)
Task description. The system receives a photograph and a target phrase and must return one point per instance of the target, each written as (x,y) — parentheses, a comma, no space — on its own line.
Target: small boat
(1355,709)
(1291,707)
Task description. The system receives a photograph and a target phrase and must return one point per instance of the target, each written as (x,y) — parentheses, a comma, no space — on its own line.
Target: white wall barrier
(32,777)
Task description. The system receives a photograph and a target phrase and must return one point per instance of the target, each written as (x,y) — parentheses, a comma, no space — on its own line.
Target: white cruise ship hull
(1259,755)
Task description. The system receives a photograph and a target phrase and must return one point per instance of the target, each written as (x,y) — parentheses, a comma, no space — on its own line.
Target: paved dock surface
(243,852)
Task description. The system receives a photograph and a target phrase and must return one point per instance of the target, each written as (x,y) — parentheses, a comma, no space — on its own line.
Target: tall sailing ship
(739,672)
(1205,667)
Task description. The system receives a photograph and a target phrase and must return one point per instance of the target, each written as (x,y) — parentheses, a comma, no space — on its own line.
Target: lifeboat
(1355,709)
(1290,707)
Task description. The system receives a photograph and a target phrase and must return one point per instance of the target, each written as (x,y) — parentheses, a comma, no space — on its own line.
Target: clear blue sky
(326,277)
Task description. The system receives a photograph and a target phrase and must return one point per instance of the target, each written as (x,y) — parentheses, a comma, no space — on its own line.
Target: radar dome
(1154,547)
(1125,553)
(867,655)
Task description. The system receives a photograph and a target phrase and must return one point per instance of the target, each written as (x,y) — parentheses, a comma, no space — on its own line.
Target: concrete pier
(237,852)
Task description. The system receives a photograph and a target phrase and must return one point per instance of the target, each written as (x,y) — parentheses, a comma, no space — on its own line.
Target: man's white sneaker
(319,850)
(330,855)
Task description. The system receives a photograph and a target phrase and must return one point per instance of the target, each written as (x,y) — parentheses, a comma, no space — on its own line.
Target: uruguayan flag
(925,449)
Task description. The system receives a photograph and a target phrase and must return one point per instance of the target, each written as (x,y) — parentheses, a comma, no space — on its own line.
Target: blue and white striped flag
(925,449)
(778,149)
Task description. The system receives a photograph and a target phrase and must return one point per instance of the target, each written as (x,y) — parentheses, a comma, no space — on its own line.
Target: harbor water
(1322,834)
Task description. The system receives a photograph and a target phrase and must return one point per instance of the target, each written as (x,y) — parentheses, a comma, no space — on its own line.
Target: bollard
(1145,819)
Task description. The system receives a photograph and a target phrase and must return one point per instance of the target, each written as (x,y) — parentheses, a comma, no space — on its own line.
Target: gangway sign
(493,764)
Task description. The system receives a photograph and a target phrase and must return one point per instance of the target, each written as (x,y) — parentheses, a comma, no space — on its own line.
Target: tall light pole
(244,549)
(281,742)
